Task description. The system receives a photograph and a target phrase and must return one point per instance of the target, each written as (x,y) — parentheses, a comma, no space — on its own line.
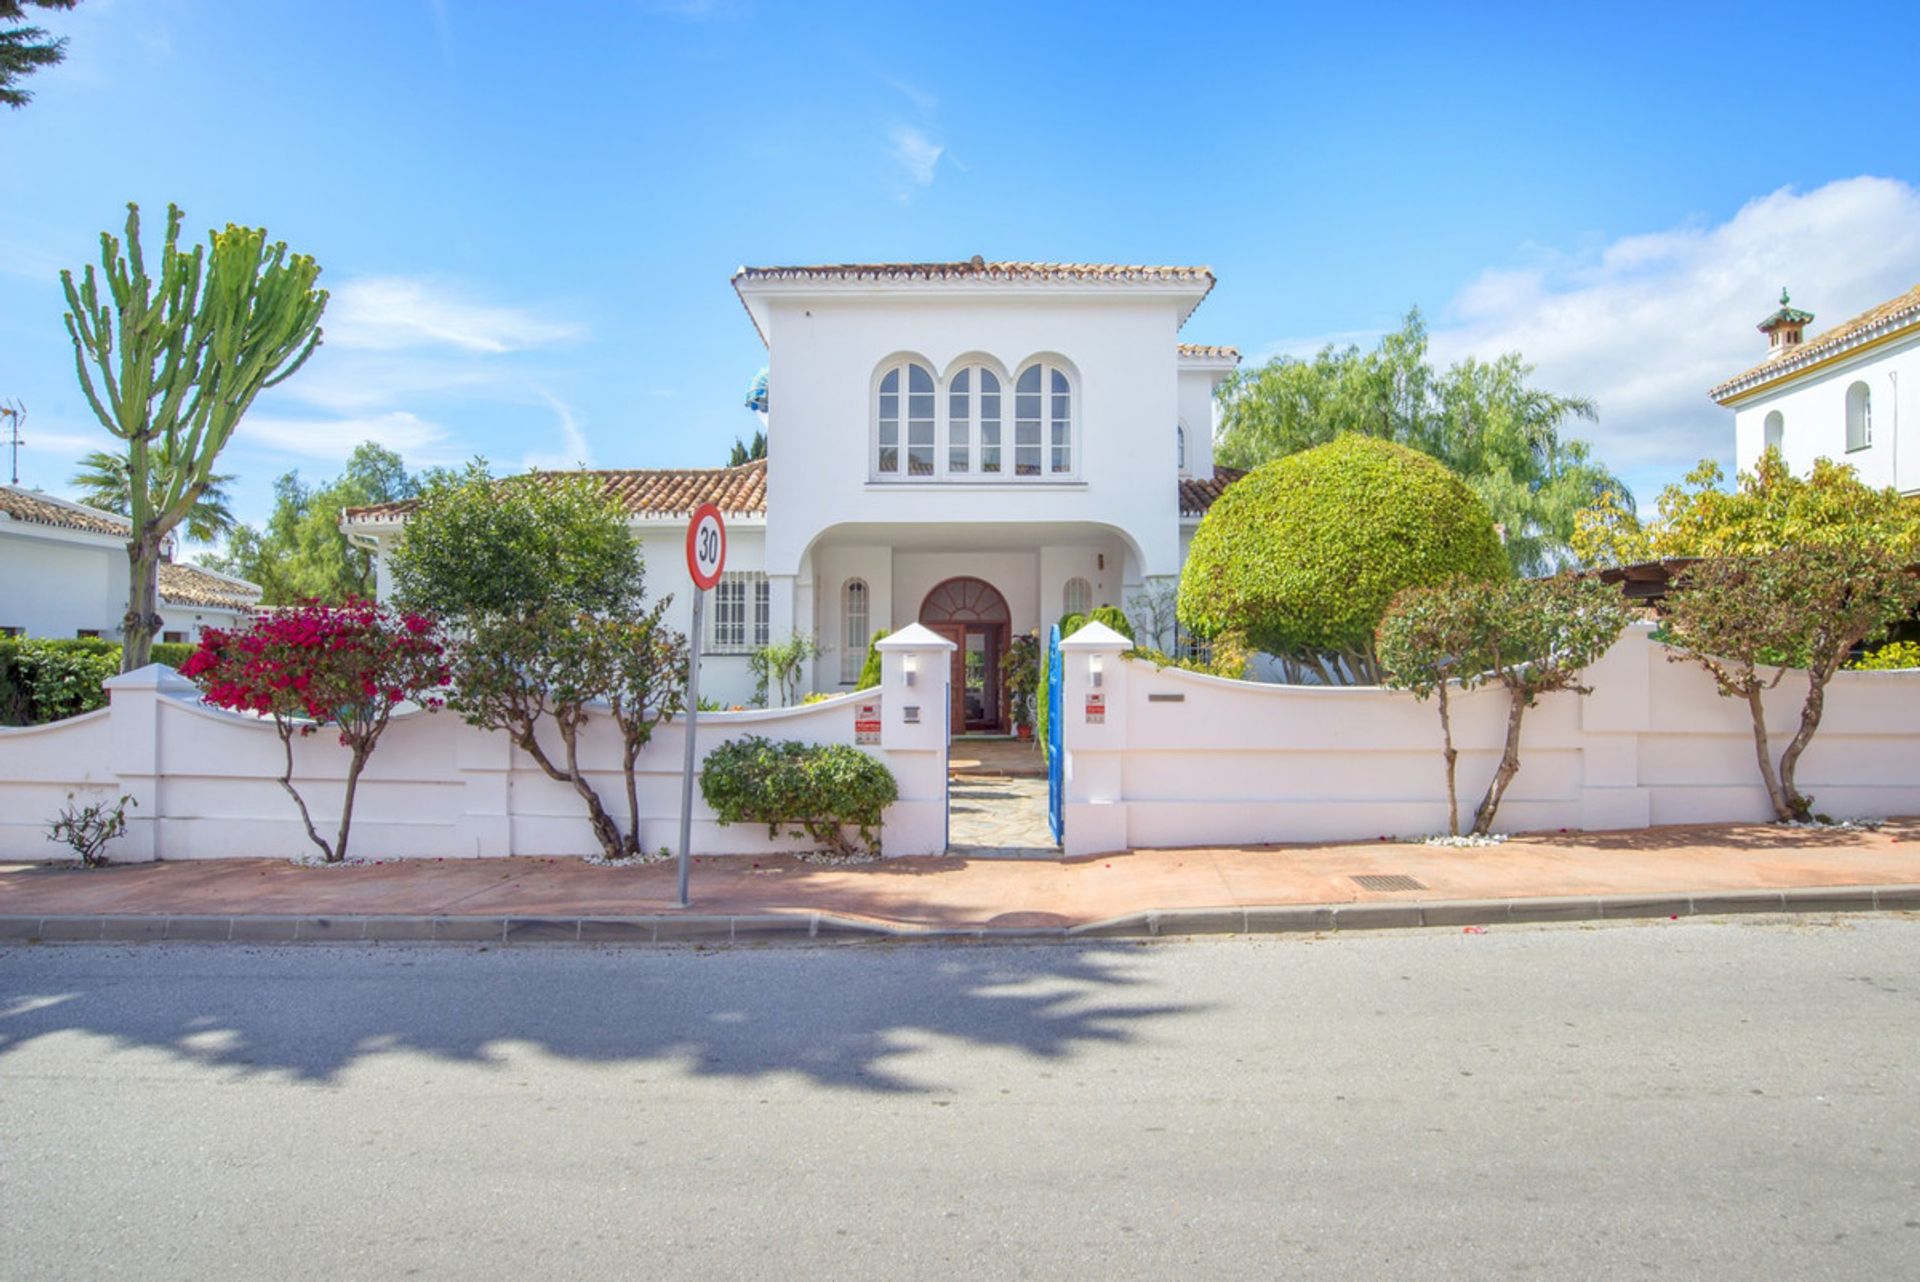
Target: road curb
(815,927)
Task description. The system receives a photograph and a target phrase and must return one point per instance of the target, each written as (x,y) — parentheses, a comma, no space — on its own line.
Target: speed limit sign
(706,546)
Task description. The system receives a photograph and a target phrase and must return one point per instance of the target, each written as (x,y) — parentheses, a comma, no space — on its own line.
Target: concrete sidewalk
(1569,876)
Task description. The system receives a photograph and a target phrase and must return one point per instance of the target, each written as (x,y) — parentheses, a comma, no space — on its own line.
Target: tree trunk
(354,768)
(1509,763)
(1451,756)
(286,781)
(1775,794)
(1800,806)
(142,619)
(605,830)
(629,756)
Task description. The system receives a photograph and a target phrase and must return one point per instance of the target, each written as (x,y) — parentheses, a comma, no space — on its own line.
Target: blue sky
(529,213)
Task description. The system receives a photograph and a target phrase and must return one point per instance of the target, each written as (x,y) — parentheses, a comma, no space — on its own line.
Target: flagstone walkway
(991,817)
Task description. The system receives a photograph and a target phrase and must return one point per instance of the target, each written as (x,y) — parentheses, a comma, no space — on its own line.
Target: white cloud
(418,440)
(1646,324)
(394,313)
(573,450)
(915,153)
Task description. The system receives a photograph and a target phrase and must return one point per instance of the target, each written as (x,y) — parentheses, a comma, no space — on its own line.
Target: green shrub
(1303,554)
(870,670)
(46,679)
(818,790)
(1891,657)
(172,653)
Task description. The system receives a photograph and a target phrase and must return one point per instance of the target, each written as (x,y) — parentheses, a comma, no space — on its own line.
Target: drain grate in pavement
(1386,881)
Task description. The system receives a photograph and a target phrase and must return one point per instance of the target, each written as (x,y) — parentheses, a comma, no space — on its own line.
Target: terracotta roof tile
(1202,351)
(1197,494)
(979,269)
(43,509)
(1890,315)
(738,491)
(192,585)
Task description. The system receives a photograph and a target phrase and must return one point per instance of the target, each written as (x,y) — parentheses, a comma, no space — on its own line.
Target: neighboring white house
(1851,393)
(63,573)
(979,447)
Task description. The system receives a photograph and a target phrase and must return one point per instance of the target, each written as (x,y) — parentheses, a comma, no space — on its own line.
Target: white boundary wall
(206,781)
(1184,759)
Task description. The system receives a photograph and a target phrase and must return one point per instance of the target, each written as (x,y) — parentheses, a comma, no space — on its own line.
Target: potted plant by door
(1020,673)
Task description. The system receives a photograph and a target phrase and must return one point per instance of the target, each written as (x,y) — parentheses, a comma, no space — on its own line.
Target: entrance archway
(973,615)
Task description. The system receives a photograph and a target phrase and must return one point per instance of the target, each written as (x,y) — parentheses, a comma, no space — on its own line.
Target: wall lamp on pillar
(1095,669)
(909,667)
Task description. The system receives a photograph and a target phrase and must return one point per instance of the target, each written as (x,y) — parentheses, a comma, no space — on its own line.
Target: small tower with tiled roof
(1785,328)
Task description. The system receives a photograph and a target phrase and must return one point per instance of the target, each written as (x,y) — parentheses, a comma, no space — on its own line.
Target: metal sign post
(706,555)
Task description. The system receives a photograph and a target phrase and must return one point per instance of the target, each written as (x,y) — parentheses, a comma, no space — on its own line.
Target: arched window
(1076,597)
(1773,434)
(973,422)
(1180,442)
(854,614)
(1859,417)
(1042,422)
(904,418)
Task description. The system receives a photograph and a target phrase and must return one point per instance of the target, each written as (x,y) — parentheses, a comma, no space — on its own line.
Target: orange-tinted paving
(954,892)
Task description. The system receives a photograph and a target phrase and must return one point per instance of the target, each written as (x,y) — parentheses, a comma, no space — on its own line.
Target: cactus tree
(180,358)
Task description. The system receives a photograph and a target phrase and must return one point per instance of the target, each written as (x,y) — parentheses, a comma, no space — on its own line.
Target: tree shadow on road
(851,1017)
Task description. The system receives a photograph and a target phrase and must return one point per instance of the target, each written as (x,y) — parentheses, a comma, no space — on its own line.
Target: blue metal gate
(1056,759)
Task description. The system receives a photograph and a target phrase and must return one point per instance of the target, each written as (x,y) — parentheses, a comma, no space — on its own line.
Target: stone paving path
(993,817)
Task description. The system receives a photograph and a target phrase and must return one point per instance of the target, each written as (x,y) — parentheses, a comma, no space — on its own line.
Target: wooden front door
(972,614)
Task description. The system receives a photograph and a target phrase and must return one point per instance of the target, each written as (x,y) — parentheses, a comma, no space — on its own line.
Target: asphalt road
(1699,1099)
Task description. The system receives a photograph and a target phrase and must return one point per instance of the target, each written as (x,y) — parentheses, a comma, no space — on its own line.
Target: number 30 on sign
(706,546)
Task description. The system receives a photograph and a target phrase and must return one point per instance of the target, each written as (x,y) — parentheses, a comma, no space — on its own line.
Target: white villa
(979,447)
(1851,393)
(63,573)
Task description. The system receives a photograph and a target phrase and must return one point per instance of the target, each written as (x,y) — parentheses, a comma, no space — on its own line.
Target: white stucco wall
(823,357)
(54,583)
(206,781)
(1180,758)
(1813,410)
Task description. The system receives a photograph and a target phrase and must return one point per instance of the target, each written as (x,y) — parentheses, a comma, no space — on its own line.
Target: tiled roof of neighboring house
(979,269)
(737,491)
(43,509)
(1197,494)
(1889,317)
(1202,351)
(191,585)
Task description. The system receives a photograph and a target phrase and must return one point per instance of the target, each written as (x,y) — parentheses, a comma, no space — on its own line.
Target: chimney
(1785,328)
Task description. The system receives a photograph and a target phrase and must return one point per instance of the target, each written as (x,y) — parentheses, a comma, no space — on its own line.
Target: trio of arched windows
(980,429)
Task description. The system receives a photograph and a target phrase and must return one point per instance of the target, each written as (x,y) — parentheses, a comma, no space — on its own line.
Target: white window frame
(1859,416)
(1180,447)
(740,618)
(1067,594)
(856,614)
(1773,431)
(944,422)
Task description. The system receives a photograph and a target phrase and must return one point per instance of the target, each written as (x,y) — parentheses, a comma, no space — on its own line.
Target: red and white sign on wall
(866,723)
(1096,709)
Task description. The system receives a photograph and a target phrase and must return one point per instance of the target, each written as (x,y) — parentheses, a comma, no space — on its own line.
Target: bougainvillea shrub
(314,665)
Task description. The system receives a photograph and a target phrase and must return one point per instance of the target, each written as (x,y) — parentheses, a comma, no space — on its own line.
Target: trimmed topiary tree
(1303,555)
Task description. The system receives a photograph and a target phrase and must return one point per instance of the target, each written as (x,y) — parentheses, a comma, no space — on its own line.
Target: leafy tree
(1533,636)
(477,547)
(317,665)
(1739,616)
(1480,418)
(302,553)
(744,453)
(1303,555)
(179,362)
(102,482)
(546,588)
(25,49)
(1425,644)
(1767,509)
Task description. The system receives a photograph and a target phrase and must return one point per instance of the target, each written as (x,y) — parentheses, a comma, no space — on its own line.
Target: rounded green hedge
(1305,552)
